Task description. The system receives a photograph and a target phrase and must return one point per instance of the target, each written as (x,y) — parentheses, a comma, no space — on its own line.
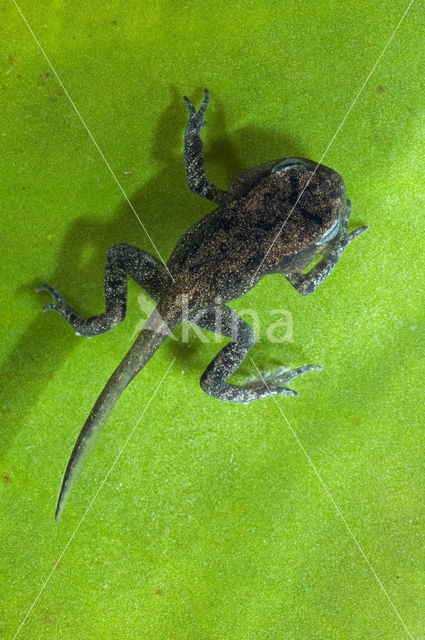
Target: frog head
(316,196)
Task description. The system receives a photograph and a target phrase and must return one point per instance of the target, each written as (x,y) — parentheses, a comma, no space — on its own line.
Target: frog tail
(158,326)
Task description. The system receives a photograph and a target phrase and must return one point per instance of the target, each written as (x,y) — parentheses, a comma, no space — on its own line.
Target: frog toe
(48,307)
(275,381)
(53,292)
(45,287)
(284,391)
(354,234)
(283,375)
(58,304)
(196,118)
(190,106)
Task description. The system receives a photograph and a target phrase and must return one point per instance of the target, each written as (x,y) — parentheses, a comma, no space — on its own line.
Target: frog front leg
(225,321)
(121,259)
(306,283)
(196,178)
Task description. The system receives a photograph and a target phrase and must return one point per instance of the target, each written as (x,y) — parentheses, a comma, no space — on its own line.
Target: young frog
(274,218)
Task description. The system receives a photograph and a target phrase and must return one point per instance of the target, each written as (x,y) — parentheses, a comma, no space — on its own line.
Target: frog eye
(288,162)
(330,234)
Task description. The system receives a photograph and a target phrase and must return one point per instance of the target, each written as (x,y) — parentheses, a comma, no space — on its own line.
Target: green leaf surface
(299,520)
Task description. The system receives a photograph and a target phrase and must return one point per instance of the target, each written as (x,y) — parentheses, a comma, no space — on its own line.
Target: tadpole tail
(150,338)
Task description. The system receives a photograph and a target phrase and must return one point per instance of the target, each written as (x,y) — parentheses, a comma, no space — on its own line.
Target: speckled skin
(274,218)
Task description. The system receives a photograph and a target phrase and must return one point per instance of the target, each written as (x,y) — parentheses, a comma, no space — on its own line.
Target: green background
(212,524)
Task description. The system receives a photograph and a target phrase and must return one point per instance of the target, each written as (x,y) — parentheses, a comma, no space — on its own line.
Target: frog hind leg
(121,259)
(225,321)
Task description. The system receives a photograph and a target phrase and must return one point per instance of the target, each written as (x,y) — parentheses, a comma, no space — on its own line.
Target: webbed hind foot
(275,382)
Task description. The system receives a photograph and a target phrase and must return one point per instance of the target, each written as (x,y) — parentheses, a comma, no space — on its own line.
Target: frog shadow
(44,346)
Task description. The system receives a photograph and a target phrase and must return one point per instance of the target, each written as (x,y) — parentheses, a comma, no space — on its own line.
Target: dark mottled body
(274,218)
(227,252)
